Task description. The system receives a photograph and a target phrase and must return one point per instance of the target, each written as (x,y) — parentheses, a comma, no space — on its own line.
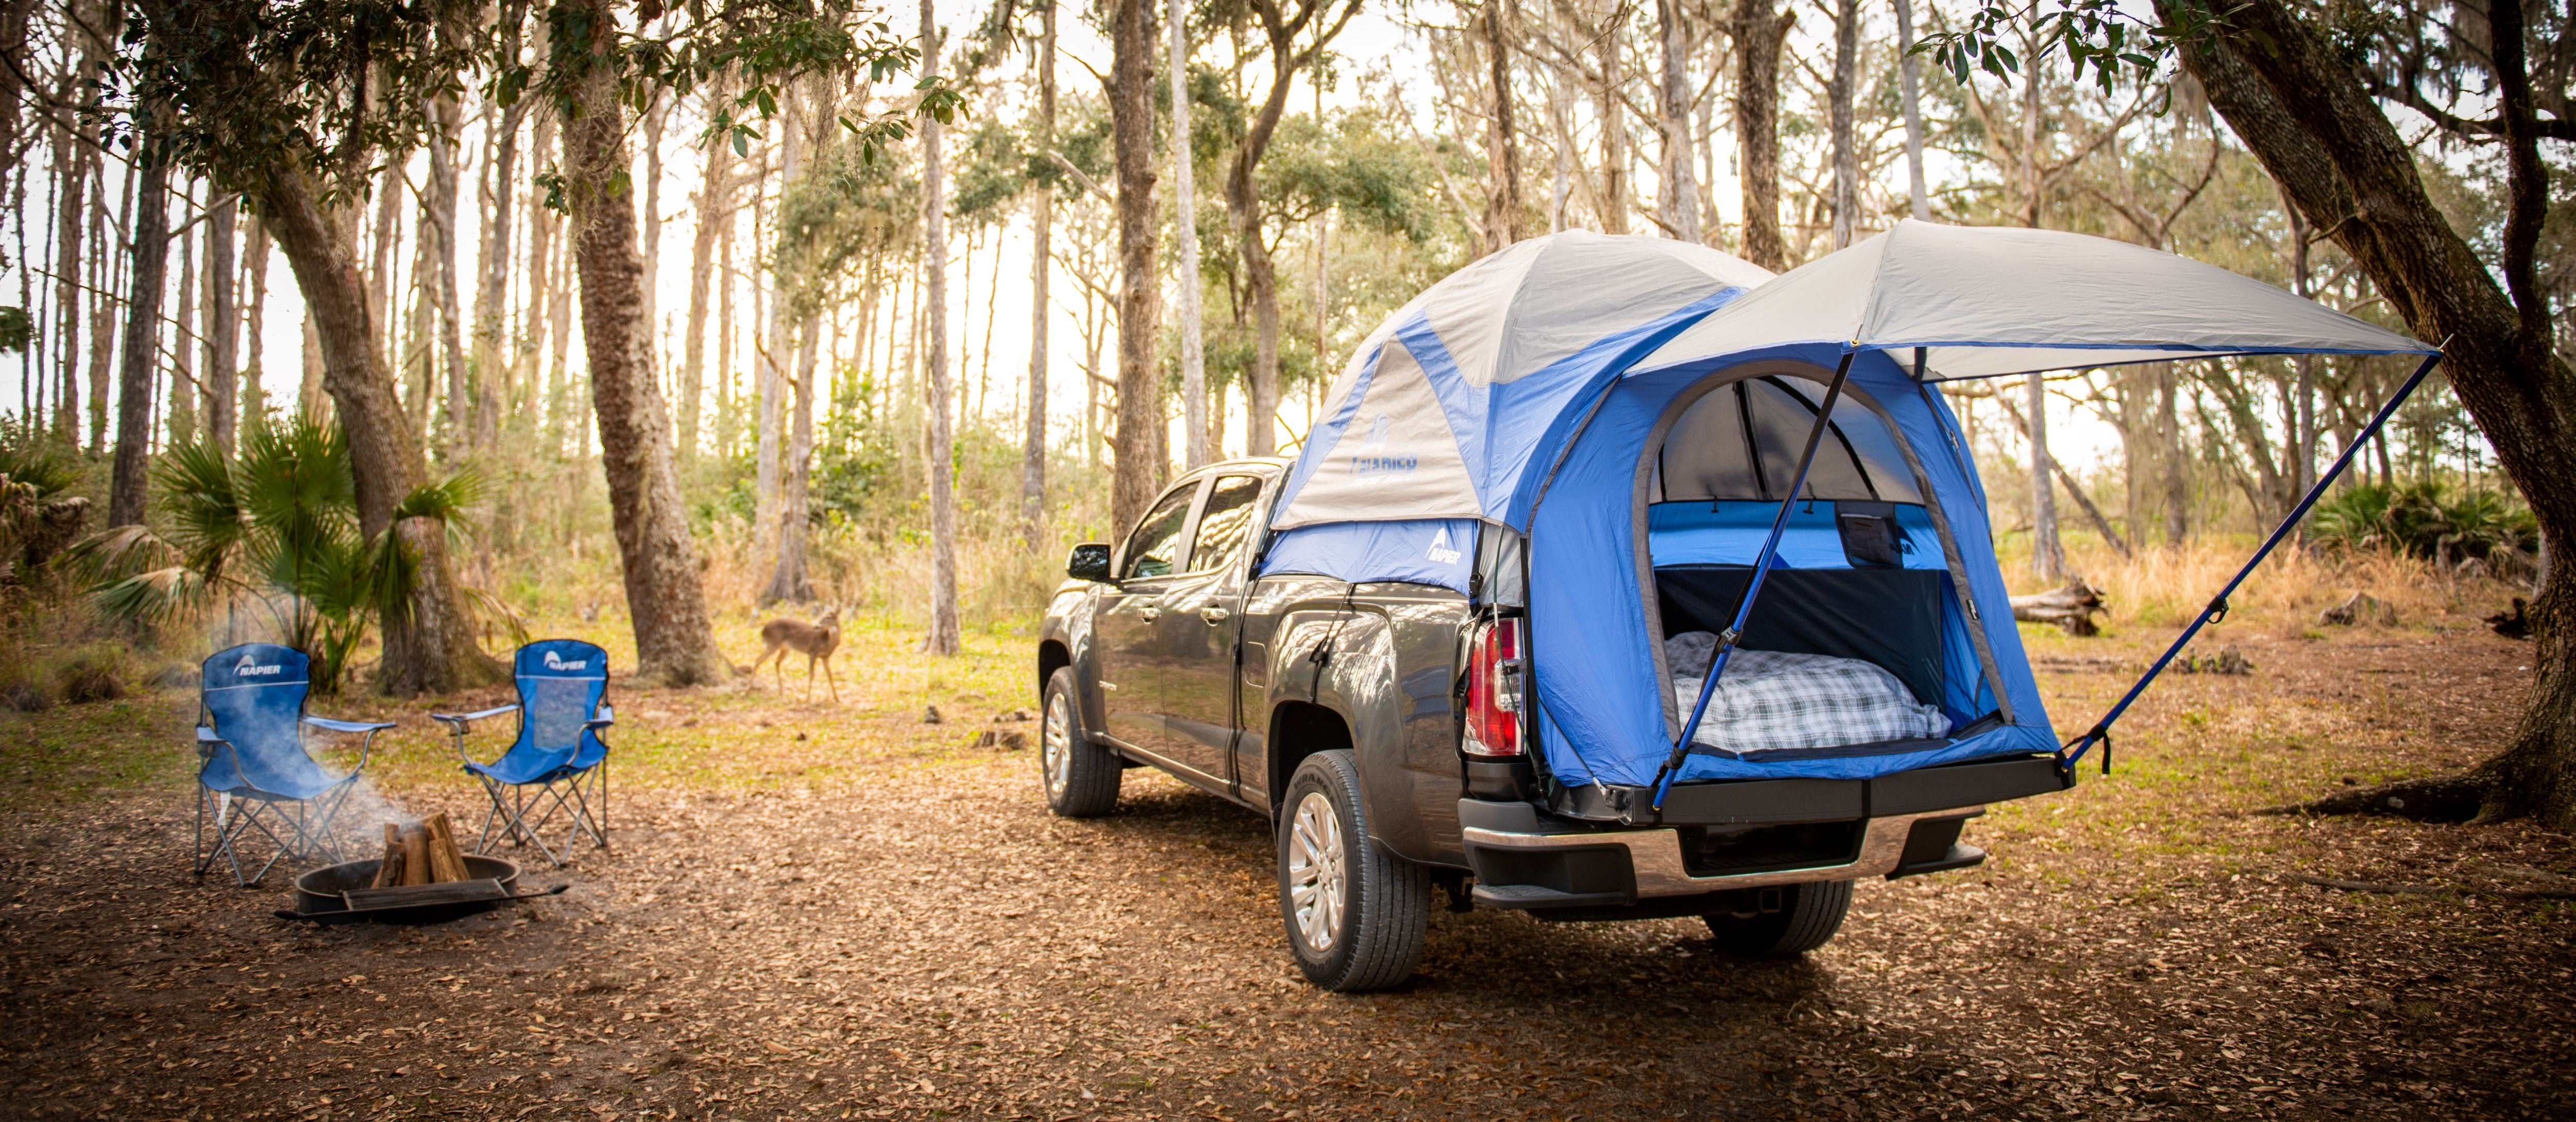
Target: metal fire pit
(340,894)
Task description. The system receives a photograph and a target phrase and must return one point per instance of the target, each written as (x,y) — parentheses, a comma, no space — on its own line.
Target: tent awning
(1983,301)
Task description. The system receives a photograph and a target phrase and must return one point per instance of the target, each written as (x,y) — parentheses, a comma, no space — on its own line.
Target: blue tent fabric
(1597,681)
(1433,551)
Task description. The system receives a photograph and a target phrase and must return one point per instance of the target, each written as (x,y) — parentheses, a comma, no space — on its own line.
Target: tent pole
(1672,768)
(2216,610)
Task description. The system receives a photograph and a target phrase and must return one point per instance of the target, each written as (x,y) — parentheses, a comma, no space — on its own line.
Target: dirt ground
(838,911)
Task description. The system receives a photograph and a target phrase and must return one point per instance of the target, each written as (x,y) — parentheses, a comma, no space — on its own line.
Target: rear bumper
(1894,826)
(1586,868)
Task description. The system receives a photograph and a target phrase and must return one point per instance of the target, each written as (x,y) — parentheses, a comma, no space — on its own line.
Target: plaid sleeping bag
(1775,701)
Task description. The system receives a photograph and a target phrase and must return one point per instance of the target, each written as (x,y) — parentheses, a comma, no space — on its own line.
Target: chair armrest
(207,740)
(607,716)
(347,726)
(459,721)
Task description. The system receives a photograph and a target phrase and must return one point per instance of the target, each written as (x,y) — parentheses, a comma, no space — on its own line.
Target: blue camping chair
(558,765)
(254,773)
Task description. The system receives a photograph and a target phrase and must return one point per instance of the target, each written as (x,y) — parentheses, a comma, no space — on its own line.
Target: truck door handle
(1214,613)
(1149,612)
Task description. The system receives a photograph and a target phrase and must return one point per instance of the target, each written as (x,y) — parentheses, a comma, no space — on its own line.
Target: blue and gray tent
(1637,412)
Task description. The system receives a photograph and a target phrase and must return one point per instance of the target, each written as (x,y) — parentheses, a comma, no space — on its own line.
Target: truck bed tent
(1649,466)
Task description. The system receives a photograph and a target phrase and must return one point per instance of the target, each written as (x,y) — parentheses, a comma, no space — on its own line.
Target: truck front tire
(1355,916)
(1081,777)
(1808,917)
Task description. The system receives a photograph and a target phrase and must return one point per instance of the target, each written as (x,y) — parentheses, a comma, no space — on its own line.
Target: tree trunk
(724,344)
(1245,207)
(1614,130)
(13,70)
(254,398)
(442,216)
(541,257)
(2175,470)
(1041,265)
(2047,554)
(1759,34)
(1502,192)
(181,412)
(494,286)
(794,482)
(782,334)
(382,268)
(943,636)
(1185,229)
(1680,197)
(1131,124)
(222,378)
(433,651)
(715,216)
(1909,79)
(74,161)
(787,579)
(674,642)
(1839,121)
(142,347)
(2288,94)
(103,313)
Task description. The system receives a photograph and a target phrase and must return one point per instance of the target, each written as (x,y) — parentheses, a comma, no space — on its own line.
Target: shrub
(2416,520)
(91,675)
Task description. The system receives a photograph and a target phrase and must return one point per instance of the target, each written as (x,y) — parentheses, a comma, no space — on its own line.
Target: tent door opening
(1857,645)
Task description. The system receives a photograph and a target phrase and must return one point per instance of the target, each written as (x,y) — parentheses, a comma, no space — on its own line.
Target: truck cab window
(1157,540)
(1222,524)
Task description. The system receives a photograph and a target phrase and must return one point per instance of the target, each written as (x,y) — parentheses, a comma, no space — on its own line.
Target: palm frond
(156,597)
(119,552)
(499,609)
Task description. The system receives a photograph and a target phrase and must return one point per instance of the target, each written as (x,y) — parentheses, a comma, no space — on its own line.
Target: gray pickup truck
(1377,724)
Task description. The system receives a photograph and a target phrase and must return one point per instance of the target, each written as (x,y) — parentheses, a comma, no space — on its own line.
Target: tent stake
(1726,640)
(2074,750)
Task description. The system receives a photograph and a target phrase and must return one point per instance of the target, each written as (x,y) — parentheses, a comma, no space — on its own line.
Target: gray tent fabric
(1438,412)
(1984,301)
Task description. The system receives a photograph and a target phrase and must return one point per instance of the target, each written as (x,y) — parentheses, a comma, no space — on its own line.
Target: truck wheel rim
(1316,880)
(1056,742)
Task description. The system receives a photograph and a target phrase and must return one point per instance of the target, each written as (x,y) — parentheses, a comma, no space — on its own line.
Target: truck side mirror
(1089,561)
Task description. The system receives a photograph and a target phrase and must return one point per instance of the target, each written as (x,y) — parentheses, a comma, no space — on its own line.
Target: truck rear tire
(1808,917)
(1081,777)
(1355,916)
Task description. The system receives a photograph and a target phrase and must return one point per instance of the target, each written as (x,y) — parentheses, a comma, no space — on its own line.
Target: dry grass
(2162,586)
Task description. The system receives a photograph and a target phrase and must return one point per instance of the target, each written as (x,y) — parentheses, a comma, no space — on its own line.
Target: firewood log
(415,857)
(446,859)
(389,870)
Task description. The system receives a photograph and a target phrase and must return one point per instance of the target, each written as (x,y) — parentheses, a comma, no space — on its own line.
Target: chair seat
(284,778)
(520,766)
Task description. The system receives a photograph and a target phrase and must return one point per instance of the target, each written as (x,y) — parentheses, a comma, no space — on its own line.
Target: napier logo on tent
(1374,460)
(249,669)
(556,662)
(1441,551)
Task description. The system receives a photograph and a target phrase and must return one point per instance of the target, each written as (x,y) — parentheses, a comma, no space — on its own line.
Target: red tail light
(1495,687)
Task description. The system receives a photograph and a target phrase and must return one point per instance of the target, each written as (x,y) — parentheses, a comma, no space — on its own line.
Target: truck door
(1199,629)
(1124,626)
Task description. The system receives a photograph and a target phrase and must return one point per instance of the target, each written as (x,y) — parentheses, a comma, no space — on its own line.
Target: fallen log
(2071,607)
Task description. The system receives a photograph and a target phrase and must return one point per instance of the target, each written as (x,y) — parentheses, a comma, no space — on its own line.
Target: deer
(816,641)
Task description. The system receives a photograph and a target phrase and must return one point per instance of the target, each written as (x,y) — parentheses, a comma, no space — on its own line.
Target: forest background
(830,243)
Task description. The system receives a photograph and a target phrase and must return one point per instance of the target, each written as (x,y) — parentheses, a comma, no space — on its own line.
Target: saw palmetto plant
(270,541)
